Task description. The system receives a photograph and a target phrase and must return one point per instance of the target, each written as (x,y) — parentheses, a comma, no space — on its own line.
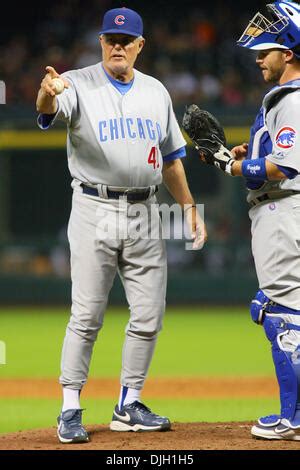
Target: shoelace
(75,420)
(141,407)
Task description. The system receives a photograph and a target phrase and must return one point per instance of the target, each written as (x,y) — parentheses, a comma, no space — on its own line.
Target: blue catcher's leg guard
(287,366)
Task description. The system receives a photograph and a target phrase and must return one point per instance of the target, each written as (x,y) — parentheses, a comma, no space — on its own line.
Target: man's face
(119,51)
(272,63)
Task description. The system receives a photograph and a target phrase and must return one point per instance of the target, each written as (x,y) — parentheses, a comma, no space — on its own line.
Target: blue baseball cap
(122,21)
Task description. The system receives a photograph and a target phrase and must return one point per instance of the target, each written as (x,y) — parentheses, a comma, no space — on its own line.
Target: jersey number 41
(152,159)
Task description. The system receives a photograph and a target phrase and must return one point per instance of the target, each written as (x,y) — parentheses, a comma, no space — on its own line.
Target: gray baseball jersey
(113,138)
(276,136)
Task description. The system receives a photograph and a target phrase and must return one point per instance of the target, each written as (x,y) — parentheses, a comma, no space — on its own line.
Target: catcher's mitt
(205,131)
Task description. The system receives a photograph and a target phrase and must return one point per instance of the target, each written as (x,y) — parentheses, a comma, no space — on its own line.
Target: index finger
(52,71)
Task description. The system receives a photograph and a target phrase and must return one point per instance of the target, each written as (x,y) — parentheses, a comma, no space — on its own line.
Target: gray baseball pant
(276,249)
(95,259)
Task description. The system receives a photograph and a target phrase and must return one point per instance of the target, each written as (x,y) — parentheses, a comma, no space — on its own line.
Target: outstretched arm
(46,102)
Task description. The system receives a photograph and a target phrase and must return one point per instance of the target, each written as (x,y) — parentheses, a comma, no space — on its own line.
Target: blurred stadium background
(191,49)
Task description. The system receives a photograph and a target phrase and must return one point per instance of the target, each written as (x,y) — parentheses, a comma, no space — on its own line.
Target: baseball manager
(123,141)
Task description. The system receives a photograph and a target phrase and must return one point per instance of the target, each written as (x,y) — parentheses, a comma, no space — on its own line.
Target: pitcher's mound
(189,436)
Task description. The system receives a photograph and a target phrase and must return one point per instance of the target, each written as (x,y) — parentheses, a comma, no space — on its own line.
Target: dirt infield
(193,436)
(183,436)
(189,387)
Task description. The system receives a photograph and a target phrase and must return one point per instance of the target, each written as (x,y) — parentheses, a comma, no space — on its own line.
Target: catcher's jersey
(275,135)
(114,137)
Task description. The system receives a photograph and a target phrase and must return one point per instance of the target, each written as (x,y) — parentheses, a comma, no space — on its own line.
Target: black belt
(271,197)
(130,194)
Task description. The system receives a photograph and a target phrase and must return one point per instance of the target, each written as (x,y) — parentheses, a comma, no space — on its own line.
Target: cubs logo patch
(285,138)
(119,20)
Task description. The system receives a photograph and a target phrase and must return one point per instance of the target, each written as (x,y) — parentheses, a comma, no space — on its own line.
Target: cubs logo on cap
(119,20)
(122,21)
(285,138)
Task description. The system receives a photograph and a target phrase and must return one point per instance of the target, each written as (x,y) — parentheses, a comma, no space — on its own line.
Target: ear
(289,55)
(141,45)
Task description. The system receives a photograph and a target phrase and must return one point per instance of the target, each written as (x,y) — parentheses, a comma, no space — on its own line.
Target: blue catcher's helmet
(280,29)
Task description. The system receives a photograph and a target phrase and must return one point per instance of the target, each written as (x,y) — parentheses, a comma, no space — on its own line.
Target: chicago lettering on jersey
(132,128)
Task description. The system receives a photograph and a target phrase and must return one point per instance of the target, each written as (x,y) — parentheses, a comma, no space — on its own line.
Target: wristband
(255,169)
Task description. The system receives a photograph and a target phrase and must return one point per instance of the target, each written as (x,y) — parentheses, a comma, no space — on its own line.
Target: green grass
(20,414)
(194,341)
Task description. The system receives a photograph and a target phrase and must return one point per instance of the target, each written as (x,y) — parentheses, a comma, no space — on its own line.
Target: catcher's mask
(280,29)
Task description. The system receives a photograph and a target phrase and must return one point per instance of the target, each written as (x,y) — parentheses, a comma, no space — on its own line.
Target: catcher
(270,165)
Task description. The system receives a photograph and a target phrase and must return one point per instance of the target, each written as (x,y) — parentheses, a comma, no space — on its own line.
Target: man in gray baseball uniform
(123,141)
(270,165)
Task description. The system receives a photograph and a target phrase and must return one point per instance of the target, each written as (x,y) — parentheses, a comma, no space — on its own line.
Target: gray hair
(141,38)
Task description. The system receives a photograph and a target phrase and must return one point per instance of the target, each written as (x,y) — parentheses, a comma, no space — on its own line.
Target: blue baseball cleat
(273,427)
(138,417)
(70,428)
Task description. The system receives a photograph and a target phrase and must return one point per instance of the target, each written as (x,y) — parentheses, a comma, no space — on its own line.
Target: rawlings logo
(285,138)
(119,20)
